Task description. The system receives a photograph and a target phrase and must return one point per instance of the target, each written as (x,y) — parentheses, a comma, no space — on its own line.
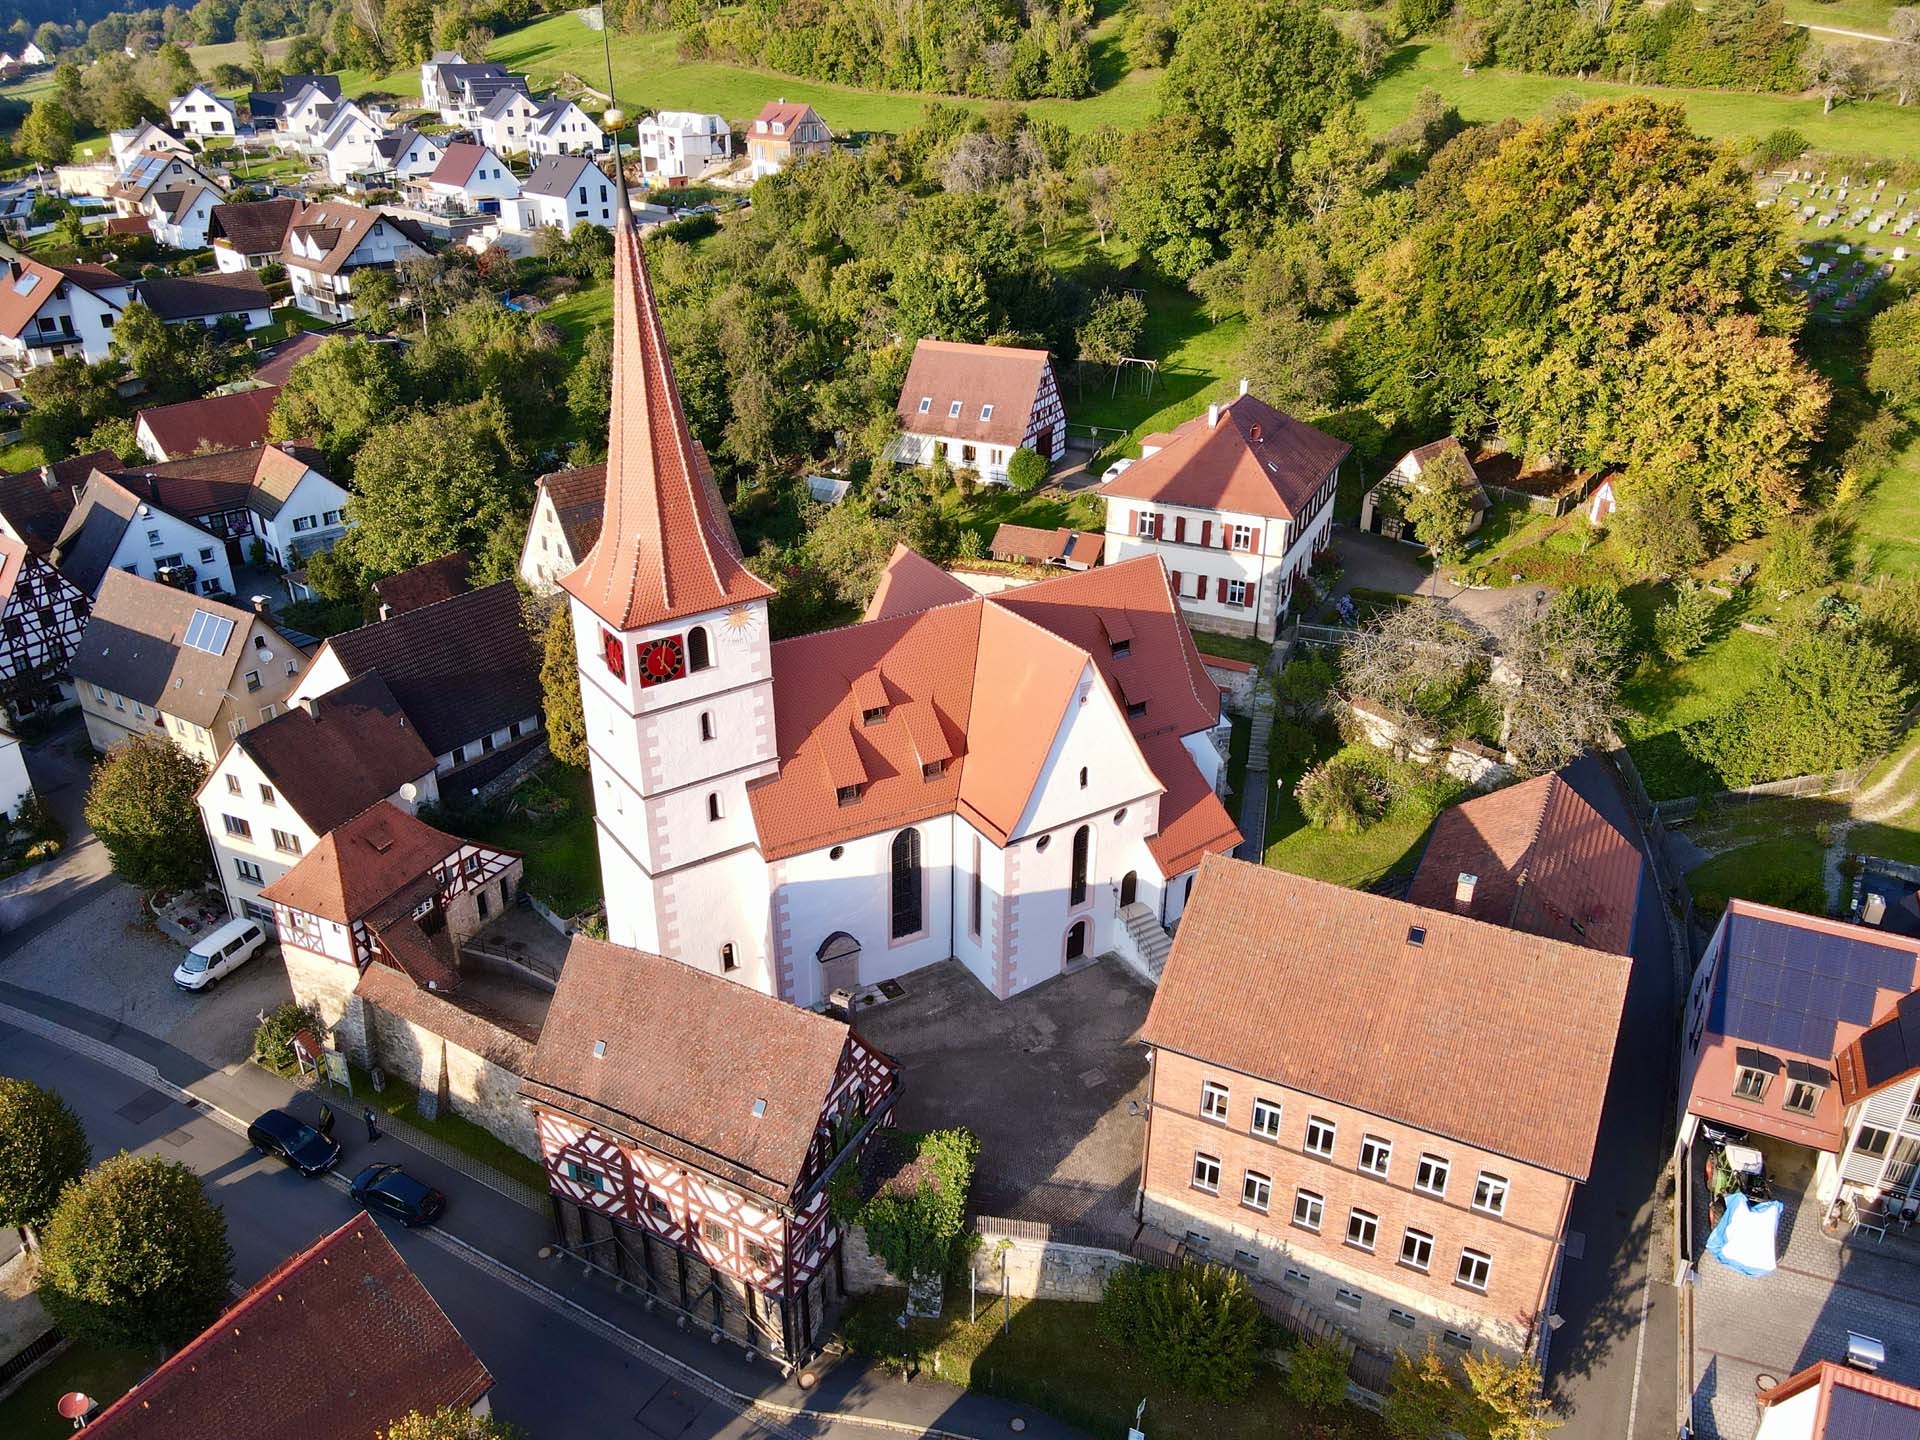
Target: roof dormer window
(877,715)
(953,411)
(986,412)
(933,769)
(848,794)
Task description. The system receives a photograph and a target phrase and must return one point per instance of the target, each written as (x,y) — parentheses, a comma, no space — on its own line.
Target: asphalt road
(553,1375)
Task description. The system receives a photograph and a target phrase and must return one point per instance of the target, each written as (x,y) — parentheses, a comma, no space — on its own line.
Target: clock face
(614,653)
(662,660)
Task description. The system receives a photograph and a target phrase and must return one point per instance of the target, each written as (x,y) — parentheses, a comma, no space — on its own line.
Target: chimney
(1463,887)
(13,268)
(386,611)
(153,486)
(312,707)
(1243,384)
(1873,909)
(1213,415)
(261,607)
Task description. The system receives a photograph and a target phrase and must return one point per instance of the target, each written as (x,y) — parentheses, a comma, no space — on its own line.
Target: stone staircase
(1150,942)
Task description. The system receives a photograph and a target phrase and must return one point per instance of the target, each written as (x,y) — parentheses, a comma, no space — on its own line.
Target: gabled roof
(426,584)
(85,548)
(176,205)
(556,175)
(684,1088)
(194,297)
(667,548)
(349,1296)
(253,227)
(1491,1037)
(361,862)
(461,668)
(458,162)
(1852,1404)
(392,147)
(1885,1053)
(580,501)
(784,114)
(259,478)
(333,756)
(338,229)
(217,422)
(136,644)
(1002,377)
(1254,461)
(1027,542)
(912,582)
(503,103)
(97,279)
(26,285)
(37,503)
(1543,860)
(277,361)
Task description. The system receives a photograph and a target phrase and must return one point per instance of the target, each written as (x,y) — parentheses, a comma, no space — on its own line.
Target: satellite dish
(75,1405)
(409,792)
(265,654)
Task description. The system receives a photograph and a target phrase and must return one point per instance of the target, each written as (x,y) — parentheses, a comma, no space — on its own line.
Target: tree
(590,383)
(1682,626)
(1832,73)
(1284,359)
(118,434)
(43,1148)
(1801,558)
(1890,617)
(1317,1374)
(1422,1399)
(560,690)
(1439,505)
(1505,1401)
(1893,343)
(177,362)
(68,398)
(336,396)
(1026,470)
(46,134)
(451,1424)
(1560,686)
(1412,662)
(1903,54)
(142,805)
(1335,165)
(1597,613)
(135,1254)
(1111,332)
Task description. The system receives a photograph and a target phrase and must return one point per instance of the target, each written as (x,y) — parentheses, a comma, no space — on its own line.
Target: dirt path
(1883,800)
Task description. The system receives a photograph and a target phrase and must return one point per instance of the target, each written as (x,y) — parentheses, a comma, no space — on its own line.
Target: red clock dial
(614,653)
(662,660)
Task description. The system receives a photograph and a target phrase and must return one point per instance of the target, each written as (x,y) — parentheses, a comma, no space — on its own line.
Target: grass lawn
(105,1374)
(1876,128)
(1389,847)
(563,855)
(1232,647)
(1053,1358)
(992,506)
(21,455)
(399,1100)
(1886,538)
(1785,871)
(1198,364)
(1895,839)
(586,310)
(1873,17)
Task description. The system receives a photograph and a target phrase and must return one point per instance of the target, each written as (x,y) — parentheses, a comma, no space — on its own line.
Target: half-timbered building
(42,614)
(974,405)
(690,1128)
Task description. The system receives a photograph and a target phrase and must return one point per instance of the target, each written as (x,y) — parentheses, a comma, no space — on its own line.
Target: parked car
(1116,470)
(389,1190)
(294,1141)
(215,956)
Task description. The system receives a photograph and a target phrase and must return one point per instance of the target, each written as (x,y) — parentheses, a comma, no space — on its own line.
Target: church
(1018,781)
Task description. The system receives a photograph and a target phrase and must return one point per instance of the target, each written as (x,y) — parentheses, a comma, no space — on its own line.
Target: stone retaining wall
(1035,1269)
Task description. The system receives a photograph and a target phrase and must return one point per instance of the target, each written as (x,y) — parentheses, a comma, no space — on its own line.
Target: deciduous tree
(43,1148)
(1561,684)
(142,805)
(1440,505)
(46,135)
(452,1424)
(336,396)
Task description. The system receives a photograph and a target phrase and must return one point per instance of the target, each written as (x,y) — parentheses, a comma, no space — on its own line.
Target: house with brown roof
(35,504)
(1067,549)
(348,1296)
(42,615)
(783,134)
(565,523)
(153,658)
(152,174)
(1022,782)
(234,421)
(209,299)
(426,584)
(1412,1187)
(179,217)
(469,180)
(1235,503)
(48,312)
(328,243)
(249,235)
(1830,1401)
(676,1166)
(1381,512)
(974,405)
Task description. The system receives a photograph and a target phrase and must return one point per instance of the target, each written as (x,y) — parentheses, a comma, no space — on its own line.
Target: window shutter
(1222,583)
(1199,587)
(1226,536)
(1176,583)
(1246,598)
(1254,544)
(1179,527)
(1206,532)
(1135,515)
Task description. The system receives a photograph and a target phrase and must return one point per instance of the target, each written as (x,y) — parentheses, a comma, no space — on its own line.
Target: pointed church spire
(666,545)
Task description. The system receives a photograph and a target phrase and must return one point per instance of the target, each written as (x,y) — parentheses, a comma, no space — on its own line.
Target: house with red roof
(782,134)
(1829,1401)
(48,312)
(1235,504)
(469,180)
(974,405)
(1381,509)
(232,421)
(1023,781)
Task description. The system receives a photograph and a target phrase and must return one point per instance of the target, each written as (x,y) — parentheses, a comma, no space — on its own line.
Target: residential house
(35,504)
(677,146)
(233,421)
(433,93)
(156,658)
(782,135)
(464,669)
(469,180)
(1830,1401)
(350,143)
(237,296)
(269,107)
(127,145)
(564,191)
(113,528)
(708,1177)
(1068,549)
(250,235)
(406,153)
(276,362)
(42,614)
(348,1295)
(505,122)
(203,114)
(459,90)
(1381,510)
(285,784)
(307,115)
(561,127)
(566,522)
(150,176)
(1235,503)
(180,218)
(842,808)
(133,226)
(1407,1189)
(51,311)
(974,405)
(32,54)
(329,242)
(426,584)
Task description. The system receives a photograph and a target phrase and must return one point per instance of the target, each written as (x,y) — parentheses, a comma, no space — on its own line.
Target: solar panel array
(209,632)
(1790,988)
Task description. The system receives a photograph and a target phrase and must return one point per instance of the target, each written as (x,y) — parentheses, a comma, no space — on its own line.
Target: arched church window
(906,884)
(1082,843)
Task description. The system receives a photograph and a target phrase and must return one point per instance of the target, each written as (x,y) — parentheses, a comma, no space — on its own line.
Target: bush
(1777,147)
(1802,557)
(914,1205)
(1317,1374)
(273,1039)
(1026,471)
(43,1148)
(1344,794)
(1198,1326)
(1682,626)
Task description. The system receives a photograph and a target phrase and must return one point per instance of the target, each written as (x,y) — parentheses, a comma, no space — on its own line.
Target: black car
(389,1190)
(294,1141)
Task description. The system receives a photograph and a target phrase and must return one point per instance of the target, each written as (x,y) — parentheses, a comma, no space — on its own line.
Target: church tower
(675,669)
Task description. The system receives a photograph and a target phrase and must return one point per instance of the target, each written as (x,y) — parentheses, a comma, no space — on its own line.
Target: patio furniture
(1870,1216)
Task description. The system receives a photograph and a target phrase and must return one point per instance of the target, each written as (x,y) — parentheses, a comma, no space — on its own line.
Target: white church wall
(1041,909)
(1092,737)
(975,947)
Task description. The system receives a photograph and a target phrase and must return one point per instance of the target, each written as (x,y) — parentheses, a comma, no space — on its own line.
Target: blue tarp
(1747,1235)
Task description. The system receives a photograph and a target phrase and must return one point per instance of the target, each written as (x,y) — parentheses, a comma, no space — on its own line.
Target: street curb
(115,1058)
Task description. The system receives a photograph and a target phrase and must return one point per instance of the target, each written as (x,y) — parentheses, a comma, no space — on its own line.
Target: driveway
(1373,563)
(1043,1079)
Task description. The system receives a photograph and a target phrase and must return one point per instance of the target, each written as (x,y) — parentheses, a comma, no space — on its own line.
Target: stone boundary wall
(1465,760)
(1236,679)
(1035,1269)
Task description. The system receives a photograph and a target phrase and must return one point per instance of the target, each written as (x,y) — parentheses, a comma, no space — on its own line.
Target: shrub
(273,1038)
(1802,556)
(1422,1399)
(1777,147)
(1682,626)
(1290,744)
(911,1199)
(1344,794)
(1317,1374)
(1197,1326)
(1026,470)
(972,547)
(42,1149)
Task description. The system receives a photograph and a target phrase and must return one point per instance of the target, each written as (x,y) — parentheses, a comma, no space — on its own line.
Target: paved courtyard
(1043,1079)
(1745,1327)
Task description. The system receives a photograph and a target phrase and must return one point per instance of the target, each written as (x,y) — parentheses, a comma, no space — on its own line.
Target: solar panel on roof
(208,632)
(1787,986)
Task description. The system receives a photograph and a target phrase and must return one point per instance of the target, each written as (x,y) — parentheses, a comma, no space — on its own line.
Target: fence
(1333,635)
(1555,505)
(16,1366)
(1795,786)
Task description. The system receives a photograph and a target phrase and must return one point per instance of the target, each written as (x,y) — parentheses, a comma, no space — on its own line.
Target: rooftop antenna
(613,116)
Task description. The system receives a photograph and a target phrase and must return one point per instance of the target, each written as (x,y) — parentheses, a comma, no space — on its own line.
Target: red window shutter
(1206,532)
(1246,597)
(1223,589)
(1199,587)
(1179,527)
(1254,544)
(1176,583)
(1226,536)
(1136,522)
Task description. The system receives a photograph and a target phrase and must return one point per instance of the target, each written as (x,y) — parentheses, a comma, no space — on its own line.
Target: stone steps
(1150,940)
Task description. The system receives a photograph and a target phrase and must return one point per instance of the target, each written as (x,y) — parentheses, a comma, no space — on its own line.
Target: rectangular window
(1256,1191)
(1206,1173)
(1416,1250)
(303,522)
(973,913)
(246,870)
(1266,1119)
(1363,1228)
(1320,1137)
(926,403)
(1457,1339)
(1431,1177)
(1803,1098)
(1236,592)
(953,411)
(1750,1084)
(1243,537)
(1149,525)
(1348,1299)
(266,794)
(986,412)
(1490,1194)
(1308,1208)
(253,680)
(233,784)
(1871,1141)
(581,1175)
(1376,1155)
(1213,1100)
(285,843)
(238,827)
(757,1254)
(1474,1269)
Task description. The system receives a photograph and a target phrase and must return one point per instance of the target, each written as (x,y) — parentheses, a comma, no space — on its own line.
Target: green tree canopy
(1440,505)
(69,398)
(177,362)
(142,806)
(46,134)
(336,396)
(560,689)
(43,1148)
(451,1424)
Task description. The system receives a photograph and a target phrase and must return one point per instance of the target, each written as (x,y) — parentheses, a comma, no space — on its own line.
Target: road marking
(1639,1352)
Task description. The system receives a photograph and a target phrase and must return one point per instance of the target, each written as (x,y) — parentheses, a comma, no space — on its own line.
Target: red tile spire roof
(666,547)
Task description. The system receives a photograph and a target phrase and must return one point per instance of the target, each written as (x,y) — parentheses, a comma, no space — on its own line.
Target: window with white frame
(1416,1250)
(1266,1120)
(1236,592)
(1363,1229)
(1206,1173)
(247,870)
(1750,1084)
(926,403)
(1474,1269)
(1490,1194)
(1256,1191)
(1376,1155)
(1308,1210)
(286,842)
(1431,1177)
(1149,525)
(1243,537)
(233,784)
(986,412)
(1320,1137)
(953,411)
(1213,1100)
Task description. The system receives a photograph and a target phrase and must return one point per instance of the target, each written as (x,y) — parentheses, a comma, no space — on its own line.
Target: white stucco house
(406,153)
(676,146)
(563,190)
(141,138)
(180,217)
(974,405)
(560,127)
(1235,504)
(506,120)
(469,180)
(350,143)
(328,243)
(49,311)
(203,114)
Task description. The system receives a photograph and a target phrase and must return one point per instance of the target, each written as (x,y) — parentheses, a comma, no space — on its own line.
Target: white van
(220,953)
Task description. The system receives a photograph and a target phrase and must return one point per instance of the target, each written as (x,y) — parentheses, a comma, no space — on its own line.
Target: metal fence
(18,1365)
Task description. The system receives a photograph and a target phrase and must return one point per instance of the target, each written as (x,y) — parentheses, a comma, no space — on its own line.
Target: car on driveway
(215,956)
(389,1190)
(294,1141)
(1116,470)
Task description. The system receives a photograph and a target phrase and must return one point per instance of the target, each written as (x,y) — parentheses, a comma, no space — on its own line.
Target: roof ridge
(971,599)
(418,609)
(1523,872)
